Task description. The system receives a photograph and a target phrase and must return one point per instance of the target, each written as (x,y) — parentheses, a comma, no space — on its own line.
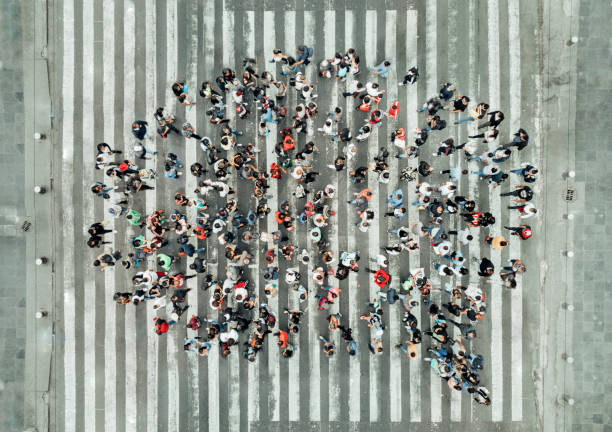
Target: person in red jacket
(523,231)
(283,336)
(393,110)
(161,326)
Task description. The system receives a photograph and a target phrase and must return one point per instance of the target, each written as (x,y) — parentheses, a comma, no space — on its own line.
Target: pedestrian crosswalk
(116,374)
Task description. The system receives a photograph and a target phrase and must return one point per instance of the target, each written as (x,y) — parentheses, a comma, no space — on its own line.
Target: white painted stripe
(269,41)
(213,358)
(151,204)
(172,344)
(89,283)
(273,354)
(370,38)
(412,122)
(353,290)
(474,89)
(293,395)
(395,371)
(129,85)
(191,147)
(514,90)
(110,344)
(213,390)
(68,214)
(373,240)
(314,369)
(435,383)
(431,46)
(253,367)
(329,30)
(497,371)
(455,396)
(229,58)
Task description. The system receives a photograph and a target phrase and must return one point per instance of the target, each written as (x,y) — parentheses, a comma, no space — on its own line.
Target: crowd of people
(239,319)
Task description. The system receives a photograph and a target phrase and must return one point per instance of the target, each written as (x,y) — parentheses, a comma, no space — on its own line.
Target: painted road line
(373,231)
(314,369)
(68,214)
(516,295)
(229,58)
(395,371)
(172,348)
(412,123)
(473,193)
(354,366)
(292,300)
(273,354)
(151,204)
(431,46)
(129,86)
(89,283)
(497,373)
(329,30)
(191,148)
(110,344)
(455,396)
(253,367)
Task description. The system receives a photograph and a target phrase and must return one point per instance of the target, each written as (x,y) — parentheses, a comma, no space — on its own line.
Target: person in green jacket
(164,261)
(133,217)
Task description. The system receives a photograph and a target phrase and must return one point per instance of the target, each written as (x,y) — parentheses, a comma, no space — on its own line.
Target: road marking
(89,282)
(292,301)
(395,371)
(191,147)
(431,58)
(253,367)
(68,215)
(373,231)
(129,86)
(314,370)
(516,295)
(273,354)
(353,290)
(329,30)
(172,51)
(497,369)
(151,204)
(455,396)
(110,343)
(414,259)
(474,89)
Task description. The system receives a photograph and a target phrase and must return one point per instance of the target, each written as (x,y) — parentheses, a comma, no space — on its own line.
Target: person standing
(523,231)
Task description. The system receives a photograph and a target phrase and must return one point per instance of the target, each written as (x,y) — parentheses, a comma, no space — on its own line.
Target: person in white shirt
(464,236)
(380,260)
(526,210)
(160,302)
(229,337)
(364,133)
(353,88)
(307,93)
(447,190)
(469,148)
(327,128)
(443,248)
(373,89)
(424,189)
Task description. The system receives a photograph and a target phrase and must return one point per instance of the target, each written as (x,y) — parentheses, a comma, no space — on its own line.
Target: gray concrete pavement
(591,337)
(13,250)
(113,62)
